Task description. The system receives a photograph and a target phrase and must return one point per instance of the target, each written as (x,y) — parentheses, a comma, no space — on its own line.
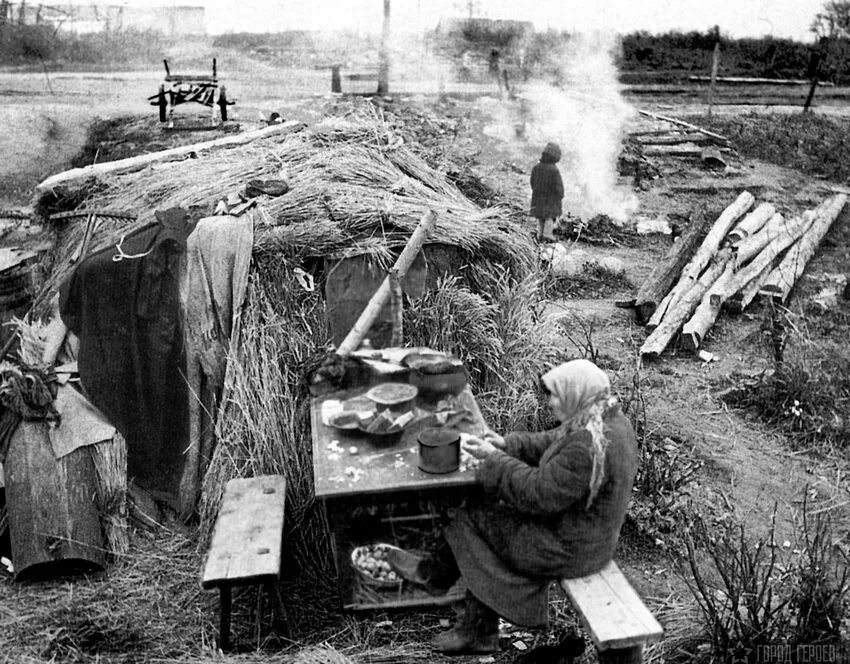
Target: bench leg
(631,655)
(279,617)
(224,617)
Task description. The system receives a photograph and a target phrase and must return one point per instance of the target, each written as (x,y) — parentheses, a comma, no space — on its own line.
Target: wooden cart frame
(184,88)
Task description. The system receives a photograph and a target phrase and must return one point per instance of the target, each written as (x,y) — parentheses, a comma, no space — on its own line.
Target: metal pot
(436,374)
(439,450)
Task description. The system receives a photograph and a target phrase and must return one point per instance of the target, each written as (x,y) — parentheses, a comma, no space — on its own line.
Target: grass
(807,393)
(810,143)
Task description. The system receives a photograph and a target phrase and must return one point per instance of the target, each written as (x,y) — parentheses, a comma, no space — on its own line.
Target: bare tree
(834,21)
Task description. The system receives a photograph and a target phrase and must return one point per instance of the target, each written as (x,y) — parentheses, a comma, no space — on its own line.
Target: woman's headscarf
(584,394)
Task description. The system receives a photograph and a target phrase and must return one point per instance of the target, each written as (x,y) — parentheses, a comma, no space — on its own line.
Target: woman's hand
(492,437)
(478,447)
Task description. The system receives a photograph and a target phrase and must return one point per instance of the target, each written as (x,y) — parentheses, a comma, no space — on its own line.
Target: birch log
(140,161)
(704,254)
(383,294)
(794,230)
(680,312)
(785,275)
(693,332)
(753,222)
(751,246)
(741,300)
(659,282)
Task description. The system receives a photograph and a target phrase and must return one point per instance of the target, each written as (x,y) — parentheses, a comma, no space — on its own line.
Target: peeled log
(657,285)
(138,162)
(751,246)
(752,222)
(708,248)
(693,332)
(741,300)
(785,275)
(680,312)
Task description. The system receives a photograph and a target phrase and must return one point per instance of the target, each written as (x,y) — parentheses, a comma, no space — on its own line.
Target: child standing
(547,192)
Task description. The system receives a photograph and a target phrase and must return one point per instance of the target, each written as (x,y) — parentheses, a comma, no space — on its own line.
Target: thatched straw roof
(355,188)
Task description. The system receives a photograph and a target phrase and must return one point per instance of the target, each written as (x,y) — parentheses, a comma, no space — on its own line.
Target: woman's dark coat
(536,528)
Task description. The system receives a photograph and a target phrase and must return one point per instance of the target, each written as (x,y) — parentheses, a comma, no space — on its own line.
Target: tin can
(439,450)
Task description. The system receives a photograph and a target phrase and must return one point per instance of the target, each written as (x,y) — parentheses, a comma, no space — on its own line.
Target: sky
(736,18)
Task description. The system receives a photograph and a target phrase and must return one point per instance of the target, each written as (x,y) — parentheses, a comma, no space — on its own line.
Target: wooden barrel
(53,519)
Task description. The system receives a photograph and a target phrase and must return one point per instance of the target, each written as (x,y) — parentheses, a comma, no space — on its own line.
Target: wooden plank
(246,542)
(611,610)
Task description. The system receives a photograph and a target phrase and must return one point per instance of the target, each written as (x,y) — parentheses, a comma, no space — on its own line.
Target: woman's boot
(476,630)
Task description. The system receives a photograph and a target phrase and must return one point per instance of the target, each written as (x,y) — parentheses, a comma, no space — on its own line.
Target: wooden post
(382,295)
(384,55)
(397,305)
(715,61)
(814,70)
(336,81)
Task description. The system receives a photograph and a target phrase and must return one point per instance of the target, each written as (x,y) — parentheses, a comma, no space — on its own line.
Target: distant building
(169,20)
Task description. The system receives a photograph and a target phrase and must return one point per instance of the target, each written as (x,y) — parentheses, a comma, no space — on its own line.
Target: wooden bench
(613,614)
(246,544)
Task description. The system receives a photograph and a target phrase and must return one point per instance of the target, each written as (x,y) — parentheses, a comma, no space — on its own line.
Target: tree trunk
(795,228)
(53,520)
(665,273)
(704,254)
(693,332)
(680,312)
(140,161)
(751,223)
(741,300)
(383,294)
(751,246)
(785,275)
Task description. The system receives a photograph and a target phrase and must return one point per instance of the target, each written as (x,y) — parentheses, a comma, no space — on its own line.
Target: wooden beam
(785,275)
(382,295)
(141,161)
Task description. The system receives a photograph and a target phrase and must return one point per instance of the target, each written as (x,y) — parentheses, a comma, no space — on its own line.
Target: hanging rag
(212,294)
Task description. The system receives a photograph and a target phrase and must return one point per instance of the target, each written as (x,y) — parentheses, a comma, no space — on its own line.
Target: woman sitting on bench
(556,502)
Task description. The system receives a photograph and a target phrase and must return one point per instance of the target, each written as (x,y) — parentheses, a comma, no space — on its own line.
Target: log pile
(745,253)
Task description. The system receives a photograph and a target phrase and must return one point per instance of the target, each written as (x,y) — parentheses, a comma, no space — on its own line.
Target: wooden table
(352,470)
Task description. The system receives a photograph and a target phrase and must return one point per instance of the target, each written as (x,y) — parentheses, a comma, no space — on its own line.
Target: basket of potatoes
(370,562)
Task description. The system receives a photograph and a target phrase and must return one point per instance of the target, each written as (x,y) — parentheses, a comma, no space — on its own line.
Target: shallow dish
(370,563)
(393,395)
